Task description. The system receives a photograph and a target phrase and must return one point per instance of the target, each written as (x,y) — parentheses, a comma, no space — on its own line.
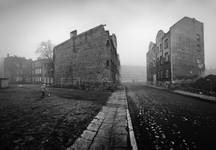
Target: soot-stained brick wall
(178,54)
(89,57)
(187,44)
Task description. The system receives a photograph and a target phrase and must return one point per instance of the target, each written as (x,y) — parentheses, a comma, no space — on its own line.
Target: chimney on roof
(73,33)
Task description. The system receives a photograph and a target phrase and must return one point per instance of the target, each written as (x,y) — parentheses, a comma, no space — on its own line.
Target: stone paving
(109,129)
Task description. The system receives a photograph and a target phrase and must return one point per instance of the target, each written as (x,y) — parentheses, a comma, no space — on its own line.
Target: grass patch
(30,122)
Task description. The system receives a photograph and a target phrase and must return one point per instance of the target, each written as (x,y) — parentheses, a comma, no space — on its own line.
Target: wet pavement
(164,120)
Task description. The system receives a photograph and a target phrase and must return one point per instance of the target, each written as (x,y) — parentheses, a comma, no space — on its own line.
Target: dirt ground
(29,122)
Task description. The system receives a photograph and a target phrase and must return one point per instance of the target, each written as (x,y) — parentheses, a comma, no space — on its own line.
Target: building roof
(185,18)
(81,34)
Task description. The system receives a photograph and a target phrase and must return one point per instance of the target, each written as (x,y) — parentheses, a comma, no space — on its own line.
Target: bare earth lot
(167,121)
(30,122)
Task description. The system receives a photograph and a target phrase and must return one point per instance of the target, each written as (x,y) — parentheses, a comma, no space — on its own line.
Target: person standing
(43,90)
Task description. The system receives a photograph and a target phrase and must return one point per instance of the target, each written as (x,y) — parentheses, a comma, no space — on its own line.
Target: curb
(188,94)
(130,128)
(194,95)
(101,134)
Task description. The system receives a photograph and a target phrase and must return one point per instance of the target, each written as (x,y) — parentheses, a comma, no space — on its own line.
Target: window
(166,57)
(167,73)
(161,74)
(160,47)
(161,61)
(198,37)
(107,63)
(107,43)
(154,63)
(165,43)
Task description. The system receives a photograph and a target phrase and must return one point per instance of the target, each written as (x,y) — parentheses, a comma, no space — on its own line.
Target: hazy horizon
(25,23)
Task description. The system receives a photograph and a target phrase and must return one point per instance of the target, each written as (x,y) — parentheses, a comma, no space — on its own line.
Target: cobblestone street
(164,120)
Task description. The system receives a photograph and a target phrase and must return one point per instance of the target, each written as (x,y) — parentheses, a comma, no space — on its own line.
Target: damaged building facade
(178,55)
(87,60)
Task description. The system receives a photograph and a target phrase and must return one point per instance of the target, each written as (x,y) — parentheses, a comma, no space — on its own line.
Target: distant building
(1,67)
(178,55)
(42,71)
(88,59)
(18,69)
(133,73)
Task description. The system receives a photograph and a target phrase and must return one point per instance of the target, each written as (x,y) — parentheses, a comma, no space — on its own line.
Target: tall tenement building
(89,59)
(178,55)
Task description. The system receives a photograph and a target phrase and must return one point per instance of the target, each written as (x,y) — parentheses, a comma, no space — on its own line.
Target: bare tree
(45,51)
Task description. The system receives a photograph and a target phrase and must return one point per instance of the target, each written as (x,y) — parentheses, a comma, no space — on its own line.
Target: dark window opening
(107,63)
(161,60)
(108,43)
(166,44)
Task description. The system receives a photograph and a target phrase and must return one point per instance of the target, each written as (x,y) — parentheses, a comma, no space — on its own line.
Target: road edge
(130,127)
(186,93)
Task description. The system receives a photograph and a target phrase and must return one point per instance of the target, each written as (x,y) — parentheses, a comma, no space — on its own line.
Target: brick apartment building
(42,71)
(178,55)
(89,59)
(22,70)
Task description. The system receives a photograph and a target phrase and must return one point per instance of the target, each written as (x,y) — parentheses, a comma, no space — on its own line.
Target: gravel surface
(164,120)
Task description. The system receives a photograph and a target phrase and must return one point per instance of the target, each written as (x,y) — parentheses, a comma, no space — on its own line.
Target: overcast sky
(25,23)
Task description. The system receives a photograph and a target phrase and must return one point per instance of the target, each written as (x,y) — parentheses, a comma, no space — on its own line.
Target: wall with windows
(179,52)
(41,72)
(187,44)
(163,69)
